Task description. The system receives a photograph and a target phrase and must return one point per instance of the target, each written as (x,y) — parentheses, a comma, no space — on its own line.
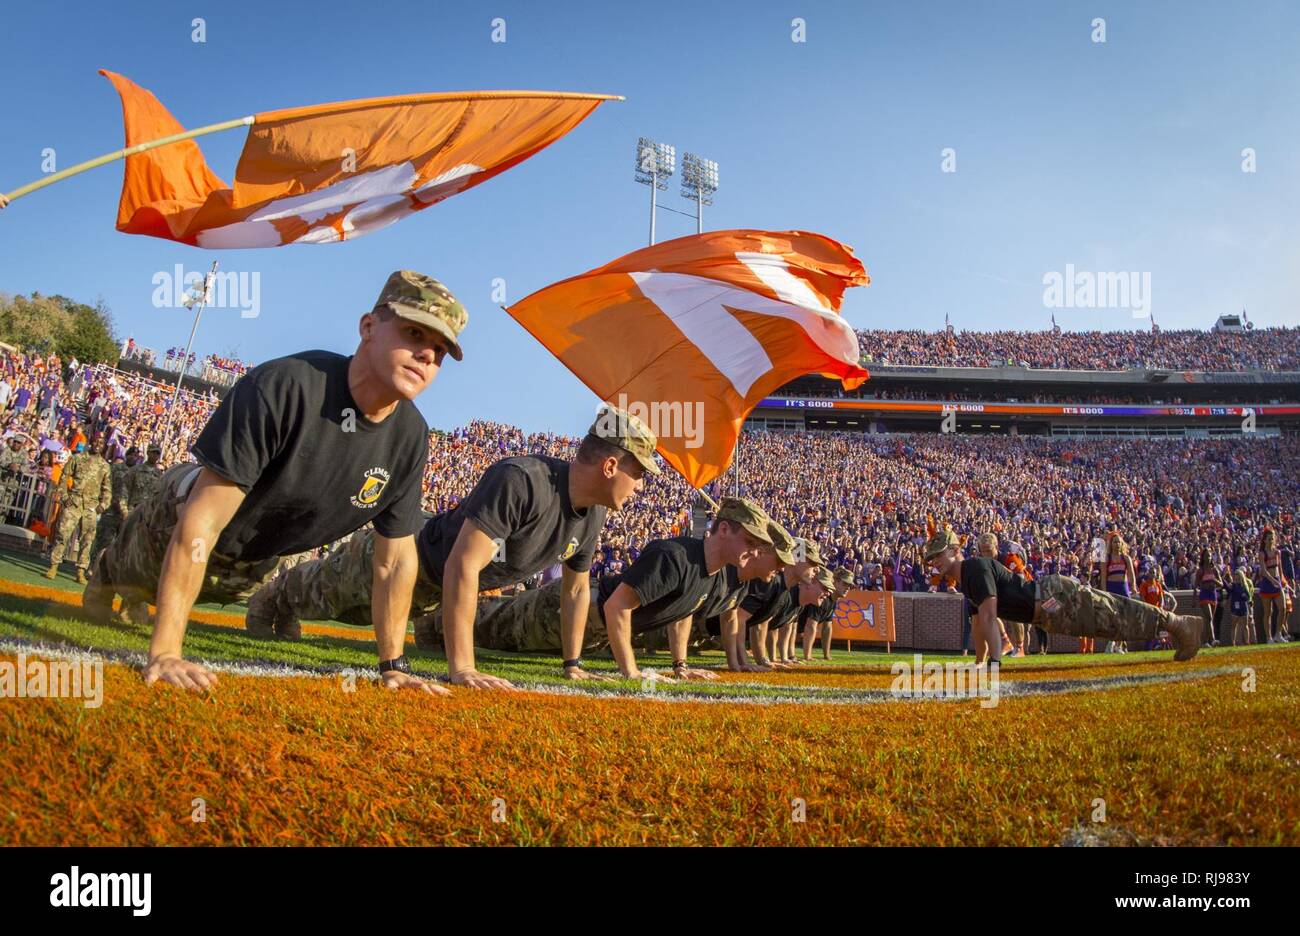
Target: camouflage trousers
(1091,612)
(106,530)
(337,587)
(527,622)
(132,563)
(81,519)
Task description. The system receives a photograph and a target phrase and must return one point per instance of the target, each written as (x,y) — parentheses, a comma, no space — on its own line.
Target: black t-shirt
(670,577)
(821,612)
(726,594)
(772,602)
(524,503)
(313,469)
(979,578)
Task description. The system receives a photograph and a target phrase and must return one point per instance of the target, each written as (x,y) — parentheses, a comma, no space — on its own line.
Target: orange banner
(864,615)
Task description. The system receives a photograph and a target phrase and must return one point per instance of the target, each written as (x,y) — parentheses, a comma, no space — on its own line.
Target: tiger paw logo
(376,479)
(569,550)
(849,614)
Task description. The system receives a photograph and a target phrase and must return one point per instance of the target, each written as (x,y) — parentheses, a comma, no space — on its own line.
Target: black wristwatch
(399,664)
(573,664)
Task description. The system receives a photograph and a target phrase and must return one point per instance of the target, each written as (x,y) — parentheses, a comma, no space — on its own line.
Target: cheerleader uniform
(1267,589)
(1117,587)
(1209,588)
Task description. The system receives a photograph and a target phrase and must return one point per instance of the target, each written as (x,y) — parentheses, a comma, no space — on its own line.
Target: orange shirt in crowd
(1151,591)
(1017,565)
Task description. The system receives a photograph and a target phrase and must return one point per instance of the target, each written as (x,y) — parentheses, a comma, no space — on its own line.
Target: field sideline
(300,759)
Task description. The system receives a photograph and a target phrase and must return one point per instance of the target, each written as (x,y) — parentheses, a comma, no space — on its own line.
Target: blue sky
(1122,156)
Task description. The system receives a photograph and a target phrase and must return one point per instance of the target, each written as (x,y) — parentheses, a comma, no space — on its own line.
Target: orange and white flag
(330,172)
(689,335)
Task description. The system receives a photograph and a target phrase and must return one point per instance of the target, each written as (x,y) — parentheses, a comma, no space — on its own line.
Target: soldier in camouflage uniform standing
(87,480)
(140,485)
(1056,603)
(142,480)
(13,462)
(111,520)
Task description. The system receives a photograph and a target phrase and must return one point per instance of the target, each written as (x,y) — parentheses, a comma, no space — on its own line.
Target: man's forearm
(390,606)
(575,605)
(730,629)
(678,638)
(179,585)
(618,625)
(992,633)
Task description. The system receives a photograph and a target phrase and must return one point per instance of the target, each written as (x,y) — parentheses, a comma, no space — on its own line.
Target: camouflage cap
(938,543)
(809,551)
(782,542)
(824,578)
(424,300)
(844,575)
(752,518)
(621,428)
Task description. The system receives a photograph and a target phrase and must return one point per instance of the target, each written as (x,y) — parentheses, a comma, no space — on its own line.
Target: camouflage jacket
(117,475)
(142,483)
(88,480)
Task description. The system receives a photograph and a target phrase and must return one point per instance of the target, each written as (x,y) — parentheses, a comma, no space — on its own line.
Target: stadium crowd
(50,407)
(868,499)
(1191,349)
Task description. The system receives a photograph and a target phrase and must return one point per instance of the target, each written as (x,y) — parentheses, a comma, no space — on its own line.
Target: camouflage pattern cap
(782,542)
(809,551)
(844,575)
(938,543)
(424,300)
(752,518)
(621,428)
(824,578)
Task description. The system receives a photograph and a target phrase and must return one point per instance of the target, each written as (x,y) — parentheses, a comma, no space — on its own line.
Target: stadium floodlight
(699,182)
(655,163)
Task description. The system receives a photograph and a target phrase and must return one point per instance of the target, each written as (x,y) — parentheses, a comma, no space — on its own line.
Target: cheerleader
(1207,593)
(1272,584)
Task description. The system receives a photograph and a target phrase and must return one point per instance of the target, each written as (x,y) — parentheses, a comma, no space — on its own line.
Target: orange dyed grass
(298,761)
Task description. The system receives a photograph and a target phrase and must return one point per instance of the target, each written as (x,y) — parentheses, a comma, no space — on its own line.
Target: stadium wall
(933,623)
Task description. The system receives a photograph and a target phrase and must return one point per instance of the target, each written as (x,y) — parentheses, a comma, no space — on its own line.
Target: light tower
(699,182)
(655,163)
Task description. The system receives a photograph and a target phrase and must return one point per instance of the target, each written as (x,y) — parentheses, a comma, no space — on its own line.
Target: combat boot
(1185,634)
(97,598)
(266,621)
(259,622)
(52,572)
(81,577)
(426,636)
